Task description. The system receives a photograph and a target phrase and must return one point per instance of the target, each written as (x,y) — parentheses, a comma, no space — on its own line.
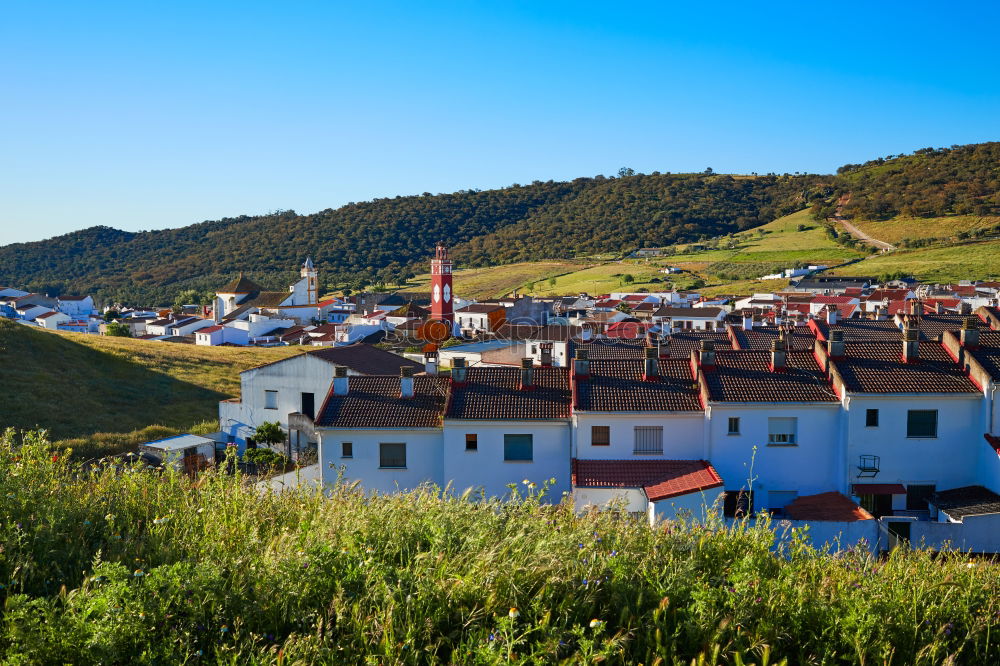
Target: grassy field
(494,281)
(79,385)
(898,229)
(973,260)
(149,567)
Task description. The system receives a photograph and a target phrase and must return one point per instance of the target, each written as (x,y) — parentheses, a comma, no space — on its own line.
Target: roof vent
(527,374)
(581,365)
(341,384)
(831,314)
(406,381)
(969,335)
(706,354)
(911,348)
(835,344)
(778,355)
(651,365)
(431,362)
(459,372)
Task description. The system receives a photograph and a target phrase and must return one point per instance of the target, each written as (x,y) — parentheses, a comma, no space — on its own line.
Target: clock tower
(441,295)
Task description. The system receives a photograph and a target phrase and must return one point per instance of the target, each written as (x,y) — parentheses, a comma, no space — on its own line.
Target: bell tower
(312,282)
(441,295)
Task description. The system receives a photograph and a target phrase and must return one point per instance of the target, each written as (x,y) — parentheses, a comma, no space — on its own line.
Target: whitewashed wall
(695,506)
(683,435)
(423,458)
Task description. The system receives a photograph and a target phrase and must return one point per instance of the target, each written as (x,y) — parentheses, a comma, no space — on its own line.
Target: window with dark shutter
(871,418)
(471,441)
(921,423)
(600,435)
(734,425)
(392,454)
(346,449)
(648,440)
(517,448)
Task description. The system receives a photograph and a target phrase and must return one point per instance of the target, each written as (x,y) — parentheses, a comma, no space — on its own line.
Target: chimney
(911,351)
(938,307)
(459,373)
(778,355)
(406,382)
(831,314)
(915,308)
(747,321)
(581,365)
(663,346)
(431,362)
(969,335)
(835,344)
(546,350)
(651,365)
(706,354)
(527,374)
(964,308)
(341,384)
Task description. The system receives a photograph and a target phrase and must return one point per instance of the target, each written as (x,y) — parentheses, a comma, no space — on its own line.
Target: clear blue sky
(143,115)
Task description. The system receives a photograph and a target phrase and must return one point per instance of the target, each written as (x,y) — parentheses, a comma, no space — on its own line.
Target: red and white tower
(441,296)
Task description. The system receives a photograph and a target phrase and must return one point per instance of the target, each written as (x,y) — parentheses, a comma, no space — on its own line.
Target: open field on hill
(898,229)
(494,281)
(79,385)
(968,261)
(151,567)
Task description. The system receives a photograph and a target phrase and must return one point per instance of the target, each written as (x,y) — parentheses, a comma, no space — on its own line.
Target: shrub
(265,458)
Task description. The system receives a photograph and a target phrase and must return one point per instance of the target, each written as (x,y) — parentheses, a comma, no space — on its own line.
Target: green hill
(81,385)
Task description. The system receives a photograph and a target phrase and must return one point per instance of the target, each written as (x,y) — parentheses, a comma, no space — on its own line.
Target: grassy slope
(900,228)
(968,261)
(151,568)
(79,385)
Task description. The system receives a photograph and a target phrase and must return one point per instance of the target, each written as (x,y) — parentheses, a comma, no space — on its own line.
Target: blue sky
(148,115)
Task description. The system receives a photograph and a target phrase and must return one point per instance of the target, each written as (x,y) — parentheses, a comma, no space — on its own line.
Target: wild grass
(141,566)
(902,228)
(968,261)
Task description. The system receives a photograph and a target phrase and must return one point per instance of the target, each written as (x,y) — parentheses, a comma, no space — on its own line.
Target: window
(517,448)
(781,431)
(346,449)
(648,440)
(270,399)
(471,442)
(734,425)
(308,405)
(737,503)
(871,418)
(917,496)
(600,435)
(777,500)
(392,454)
(921,423)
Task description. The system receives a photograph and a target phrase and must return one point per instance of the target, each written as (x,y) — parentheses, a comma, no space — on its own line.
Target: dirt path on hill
(854,231)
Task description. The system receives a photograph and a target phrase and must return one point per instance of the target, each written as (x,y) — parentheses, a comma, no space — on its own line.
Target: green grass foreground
(144,566)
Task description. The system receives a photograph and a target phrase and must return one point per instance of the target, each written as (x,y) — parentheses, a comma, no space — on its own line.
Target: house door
(309,405)
(917,496)
(877,505)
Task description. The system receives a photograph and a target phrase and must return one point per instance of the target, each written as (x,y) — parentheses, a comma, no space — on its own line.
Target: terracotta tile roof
(834,300)
(362,358)
(681,344)
(687,313)
(240,285)
(549,332)
(877,367)
(209,329)
(987,353)
(494,393)
(630,330)
(746,376)
(879,489)
(660,479)
(619,386)
(604,349)
(860,329)
(761,338)
(479,308)
(830,506)
(933,325)
(374,402)
(966,501)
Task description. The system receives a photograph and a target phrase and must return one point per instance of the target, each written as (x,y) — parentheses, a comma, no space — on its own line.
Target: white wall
(809,467)
(486,467)
(423,458)
(634,498)
(947,461)
(833,536)
(683,435)
(693,506)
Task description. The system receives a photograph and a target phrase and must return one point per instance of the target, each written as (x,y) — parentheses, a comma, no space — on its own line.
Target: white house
(702,319)
(78,307)
(188,453)
(52,320)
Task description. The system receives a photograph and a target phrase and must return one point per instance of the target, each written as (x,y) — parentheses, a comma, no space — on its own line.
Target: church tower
(312,282)
(441,296)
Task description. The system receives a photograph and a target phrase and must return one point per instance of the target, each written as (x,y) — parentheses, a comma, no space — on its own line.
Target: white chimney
(969,334)
(911,349)
(747,322)
(527,373)
(406,382)
(431,362)
(341,383)
(832,315)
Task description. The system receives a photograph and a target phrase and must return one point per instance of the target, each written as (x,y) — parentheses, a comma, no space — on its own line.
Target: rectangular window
(471,442)
(734,425)
(518,448)
(600,435)
(777,500)
(648,440)
(781,431)
(921,423)
(392,454)
(346,449)
(917,496)
(871,418)
(270,399)
(309,405)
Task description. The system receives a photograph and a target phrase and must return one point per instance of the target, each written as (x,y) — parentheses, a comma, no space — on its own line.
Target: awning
(879,489)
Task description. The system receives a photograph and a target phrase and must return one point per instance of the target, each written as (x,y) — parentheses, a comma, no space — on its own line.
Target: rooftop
(830,506)
(619,386)
(746,376)
(494,393)
(240,285)
(375,402)
(660,479)
(878,367)
(966,501)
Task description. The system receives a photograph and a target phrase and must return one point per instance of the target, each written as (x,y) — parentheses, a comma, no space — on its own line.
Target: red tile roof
(761,338)
(494,393)
(619,386)
(859,329)
(746,376)
(830,506)
(604,349)
(834,300)
(660,479)
(209,329)
(628,329)
(374,402)
(877,367)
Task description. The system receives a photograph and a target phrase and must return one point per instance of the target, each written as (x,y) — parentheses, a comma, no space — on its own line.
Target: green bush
(142,567)
(265,458)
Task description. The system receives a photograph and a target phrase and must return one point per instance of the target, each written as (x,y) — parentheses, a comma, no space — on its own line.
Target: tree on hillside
(118,329)
(269,432)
